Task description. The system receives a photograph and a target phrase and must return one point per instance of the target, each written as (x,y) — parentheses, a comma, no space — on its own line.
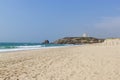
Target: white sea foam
(22,48)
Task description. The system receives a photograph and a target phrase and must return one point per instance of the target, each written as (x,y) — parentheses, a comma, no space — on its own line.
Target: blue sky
(37,20)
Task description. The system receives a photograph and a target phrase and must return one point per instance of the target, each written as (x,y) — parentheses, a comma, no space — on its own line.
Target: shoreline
(42,48)
(27,49)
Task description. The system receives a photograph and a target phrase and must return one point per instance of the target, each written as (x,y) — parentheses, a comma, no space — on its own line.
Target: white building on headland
(85,35)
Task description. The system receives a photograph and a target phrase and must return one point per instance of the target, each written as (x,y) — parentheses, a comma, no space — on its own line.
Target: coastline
(89,62)
(30,48)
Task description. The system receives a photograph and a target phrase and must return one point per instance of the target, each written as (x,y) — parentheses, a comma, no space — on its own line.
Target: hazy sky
(37,20)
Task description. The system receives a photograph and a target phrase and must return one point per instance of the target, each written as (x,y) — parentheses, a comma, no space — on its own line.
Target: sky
(38,20)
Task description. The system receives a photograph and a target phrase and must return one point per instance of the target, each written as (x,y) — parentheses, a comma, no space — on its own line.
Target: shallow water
(5,47)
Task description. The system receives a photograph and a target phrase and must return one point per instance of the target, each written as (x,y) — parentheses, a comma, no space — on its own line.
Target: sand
(88,62)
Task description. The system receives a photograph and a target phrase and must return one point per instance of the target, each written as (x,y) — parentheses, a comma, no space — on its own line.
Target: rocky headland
(78,40)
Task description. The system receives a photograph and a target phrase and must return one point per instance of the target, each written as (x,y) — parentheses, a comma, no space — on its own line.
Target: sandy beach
(88,62)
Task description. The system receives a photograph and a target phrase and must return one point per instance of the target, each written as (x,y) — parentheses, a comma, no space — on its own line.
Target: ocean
(6,47)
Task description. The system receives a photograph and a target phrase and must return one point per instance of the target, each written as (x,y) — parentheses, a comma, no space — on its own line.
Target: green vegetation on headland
(78,40)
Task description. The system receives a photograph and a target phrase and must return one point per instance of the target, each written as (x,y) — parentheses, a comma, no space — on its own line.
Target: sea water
(6,47)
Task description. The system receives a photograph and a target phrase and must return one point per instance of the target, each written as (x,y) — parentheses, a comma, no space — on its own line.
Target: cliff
(78,40)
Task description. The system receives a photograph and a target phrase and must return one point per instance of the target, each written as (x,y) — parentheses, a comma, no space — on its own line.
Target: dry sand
(88,62)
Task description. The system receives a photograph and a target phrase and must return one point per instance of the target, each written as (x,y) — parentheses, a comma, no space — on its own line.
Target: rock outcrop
(46,42)
(78,40)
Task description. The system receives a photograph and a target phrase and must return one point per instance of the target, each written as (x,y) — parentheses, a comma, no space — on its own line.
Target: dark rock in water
(78,40)
(46,42)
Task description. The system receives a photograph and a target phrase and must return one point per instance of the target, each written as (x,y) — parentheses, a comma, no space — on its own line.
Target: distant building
(85,35)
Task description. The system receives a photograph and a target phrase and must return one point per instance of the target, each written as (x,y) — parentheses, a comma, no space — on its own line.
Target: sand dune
(88,62)
(112,42)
